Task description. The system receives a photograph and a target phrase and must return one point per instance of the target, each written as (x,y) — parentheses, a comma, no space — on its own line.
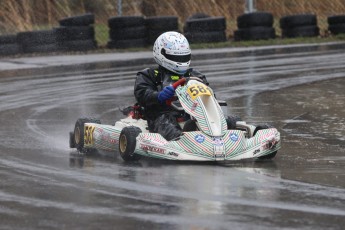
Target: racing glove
(167,93)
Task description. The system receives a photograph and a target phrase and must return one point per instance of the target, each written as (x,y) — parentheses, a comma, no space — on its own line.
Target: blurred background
(28,15)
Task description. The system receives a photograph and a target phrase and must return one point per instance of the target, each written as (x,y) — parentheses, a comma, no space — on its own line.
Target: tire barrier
(80,20)
(198,16)
(126,32)
(40,41)
(303,25)
(9,45)
(254,33)
(336,24)
(76,33)
(155,26)
(255,26)
(205,29)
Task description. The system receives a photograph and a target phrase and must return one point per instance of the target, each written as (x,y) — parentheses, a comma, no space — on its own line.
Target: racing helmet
(171,51)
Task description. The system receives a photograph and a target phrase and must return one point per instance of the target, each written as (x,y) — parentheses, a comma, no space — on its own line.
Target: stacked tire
(39,41)
(336,24)
(126,32)
(76,33)
(205,29)
(255,26)
(157,25)
(198,16)
(9,45)
(302,25)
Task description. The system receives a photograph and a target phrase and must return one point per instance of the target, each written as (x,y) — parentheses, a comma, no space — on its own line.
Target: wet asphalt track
(45,185)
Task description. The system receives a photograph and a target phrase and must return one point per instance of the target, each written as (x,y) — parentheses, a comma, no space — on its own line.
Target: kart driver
(153,86)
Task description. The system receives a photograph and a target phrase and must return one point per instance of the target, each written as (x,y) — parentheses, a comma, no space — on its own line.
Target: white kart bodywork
(212,142)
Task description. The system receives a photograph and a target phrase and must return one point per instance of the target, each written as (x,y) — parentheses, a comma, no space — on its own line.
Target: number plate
(197,90)
(88,134)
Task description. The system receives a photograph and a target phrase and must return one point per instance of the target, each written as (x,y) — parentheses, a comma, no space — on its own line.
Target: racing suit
(161,118)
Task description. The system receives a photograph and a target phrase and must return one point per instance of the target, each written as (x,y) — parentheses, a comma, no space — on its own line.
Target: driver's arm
(145,90)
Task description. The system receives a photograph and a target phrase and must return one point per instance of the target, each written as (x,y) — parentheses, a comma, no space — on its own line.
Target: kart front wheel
(190,126)
(127,143)
(268,156)
(231,121)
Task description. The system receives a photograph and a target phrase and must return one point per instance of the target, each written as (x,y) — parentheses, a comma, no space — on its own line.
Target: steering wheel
(179,82)
(182,81)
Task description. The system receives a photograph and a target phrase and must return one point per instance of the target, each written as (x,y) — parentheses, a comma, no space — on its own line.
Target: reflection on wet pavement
(312,128)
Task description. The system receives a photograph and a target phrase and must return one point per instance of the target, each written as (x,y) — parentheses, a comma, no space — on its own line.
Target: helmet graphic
(171,50)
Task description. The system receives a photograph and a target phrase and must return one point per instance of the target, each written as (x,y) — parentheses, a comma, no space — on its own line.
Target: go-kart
(207,135)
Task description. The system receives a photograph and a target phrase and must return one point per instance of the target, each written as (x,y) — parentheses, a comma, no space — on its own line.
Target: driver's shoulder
(148,72)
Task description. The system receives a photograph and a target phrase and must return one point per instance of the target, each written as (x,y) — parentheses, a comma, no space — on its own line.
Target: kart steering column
(175,85)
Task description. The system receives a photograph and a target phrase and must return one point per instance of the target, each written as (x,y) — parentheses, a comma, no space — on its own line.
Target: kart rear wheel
(78,134)
(268,156)
(71,140)
(127,143)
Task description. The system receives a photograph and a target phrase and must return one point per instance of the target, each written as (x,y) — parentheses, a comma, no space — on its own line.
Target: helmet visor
(176,58)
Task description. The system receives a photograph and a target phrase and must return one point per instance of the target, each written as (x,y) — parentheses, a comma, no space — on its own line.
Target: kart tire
(254,33)
(255,19)
(77,45)
(198,16)
(44,48)
(206,37)
(79,134)
(127,143)
(190,126)
(205,24)
(72,144)
(302,31)
(231,121)
(336,19)
(80,20)
(268,156)
(162,23)
(136,32)
(8,39)
(337,29)
(293,21)
(69,33)
(10,49)
(125,22)
(36,38)
(128,43)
